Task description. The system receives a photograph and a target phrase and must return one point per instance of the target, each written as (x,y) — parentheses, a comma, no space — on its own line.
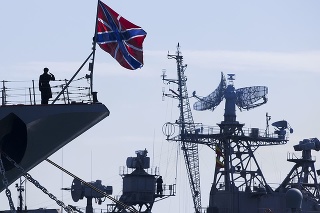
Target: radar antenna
(212,100)
(245,98)
(236,168)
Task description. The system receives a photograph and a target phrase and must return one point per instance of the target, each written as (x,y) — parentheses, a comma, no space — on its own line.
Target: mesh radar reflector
(212,100)
(251,97)
(245,98)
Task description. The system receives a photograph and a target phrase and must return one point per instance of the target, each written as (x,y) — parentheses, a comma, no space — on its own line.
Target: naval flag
(119,37)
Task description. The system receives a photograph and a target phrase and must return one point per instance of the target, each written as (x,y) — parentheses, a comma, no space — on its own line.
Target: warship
(239,185)
(31,132)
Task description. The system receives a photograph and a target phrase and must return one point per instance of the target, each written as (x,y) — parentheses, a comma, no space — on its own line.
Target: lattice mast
(237,152)
(236,166)
(186,125)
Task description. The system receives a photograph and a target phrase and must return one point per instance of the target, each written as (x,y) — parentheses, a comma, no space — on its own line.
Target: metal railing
(27,92)
(123,170)
(295,156)
(251,132)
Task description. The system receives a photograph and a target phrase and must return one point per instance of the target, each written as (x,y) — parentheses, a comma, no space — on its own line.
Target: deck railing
(27,92)
(252,132)
(123,170)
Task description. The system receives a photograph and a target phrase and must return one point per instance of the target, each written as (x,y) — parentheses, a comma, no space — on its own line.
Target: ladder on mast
(186,126)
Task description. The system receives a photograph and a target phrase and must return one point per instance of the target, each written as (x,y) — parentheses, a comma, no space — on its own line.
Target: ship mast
(237,169)
(186,125)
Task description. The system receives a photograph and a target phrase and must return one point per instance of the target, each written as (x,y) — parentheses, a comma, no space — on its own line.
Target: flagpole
(69,82)
(91,65)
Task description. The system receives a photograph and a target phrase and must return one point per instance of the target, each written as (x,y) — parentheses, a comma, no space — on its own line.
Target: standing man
(159,185)
(44,85)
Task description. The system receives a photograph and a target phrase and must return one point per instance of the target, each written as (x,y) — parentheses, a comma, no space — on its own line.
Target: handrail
(26,93)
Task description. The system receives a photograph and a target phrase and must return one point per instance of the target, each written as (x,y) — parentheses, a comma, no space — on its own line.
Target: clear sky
(270,43)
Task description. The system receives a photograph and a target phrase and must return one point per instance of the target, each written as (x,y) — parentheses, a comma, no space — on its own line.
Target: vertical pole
(2,97)
(62,177)
(34,93)
(30,96)
(20,196)
(68,98)
(25,194)
(3,94)
(91,65)
(64,96)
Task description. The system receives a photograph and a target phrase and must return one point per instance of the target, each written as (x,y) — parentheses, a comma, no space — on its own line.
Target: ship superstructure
(142,185)
(239,185)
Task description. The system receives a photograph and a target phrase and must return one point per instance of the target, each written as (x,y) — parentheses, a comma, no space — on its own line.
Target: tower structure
(186,126)
(239,185)
(237,174)
(139,187)
(303,174)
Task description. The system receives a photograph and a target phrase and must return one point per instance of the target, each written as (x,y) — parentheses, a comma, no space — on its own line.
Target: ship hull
(48,128)
(247,202)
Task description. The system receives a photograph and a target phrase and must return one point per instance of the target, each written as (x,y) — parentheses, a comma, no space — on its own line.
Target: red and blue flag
(119,37)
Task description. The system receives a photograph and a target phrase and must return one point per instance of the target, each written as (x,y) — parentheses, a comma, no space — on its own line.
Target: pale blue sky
(270,43)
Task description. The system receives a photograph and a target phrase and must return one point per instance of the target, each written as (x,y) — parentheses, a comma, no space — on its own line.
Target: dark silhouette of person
(44,85)
(159,185)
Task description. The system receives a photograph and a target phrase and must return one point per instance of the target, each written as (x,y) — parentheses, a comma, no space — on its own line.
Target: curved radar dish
(212,100)
(282,125)
(251,97)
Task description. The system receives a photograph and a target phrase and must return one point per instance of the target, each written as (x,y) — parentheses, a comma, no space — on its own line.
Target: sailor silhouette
(44,85)
(159,185)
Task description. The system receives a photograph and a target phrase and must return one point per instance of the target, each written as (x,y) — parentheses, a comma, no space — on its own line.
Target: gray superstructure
(239,185)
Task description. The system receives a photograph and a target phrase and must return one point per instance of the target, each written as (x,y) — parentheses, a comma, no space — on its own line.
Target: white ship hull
(48,128)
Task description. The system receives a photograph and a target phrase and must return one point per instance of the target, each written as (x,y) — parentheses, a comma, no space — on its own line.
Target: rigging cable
(37,184)
(33,181)
(93,187)
(6,184)
(171,87)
